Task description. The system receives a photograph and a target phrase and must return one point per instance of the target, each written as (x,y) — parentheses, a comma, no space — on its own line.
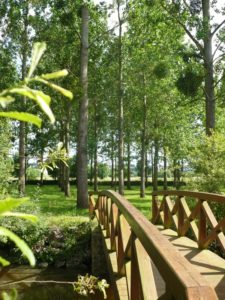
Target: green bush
(33,173)
(207,158)
(6,164)
(59,241)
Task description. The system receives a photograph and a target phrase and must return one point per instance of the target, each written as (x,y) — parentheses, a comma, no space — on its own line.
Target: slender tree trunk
(112,164)
(146,168)
(82,182)
(42,173)
(155,168)
(96,147)
(164,169)
(91,170)
(61,164)
(152,163)
(67,147)
(128,166)
(22,127)
(143,149)
(22,159)
(96,169)
(121,109)
(209,70)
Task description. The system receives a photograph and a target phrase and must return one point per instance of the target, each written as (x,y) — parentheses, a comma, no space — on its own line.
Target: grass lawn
(49,201)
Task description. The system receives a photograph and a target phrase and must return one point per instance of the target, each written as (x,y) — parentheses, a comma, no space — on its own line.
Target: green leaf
(4,101)
(20,244)
(46,108)
(63,91)
(37,52)
(9,204)
(21,116)
(55,75)
(4,262)
(32,94)
(12,295)
(28,217)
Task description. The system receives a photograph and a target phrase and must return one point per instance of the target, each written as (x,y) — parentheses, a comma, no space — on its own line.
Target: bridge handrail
(123,220)
(198,217)
(200,195)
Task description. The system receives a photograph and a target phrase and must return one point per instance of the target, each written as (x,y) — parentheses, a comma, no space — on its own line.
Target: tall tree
(196,19)
(82,183)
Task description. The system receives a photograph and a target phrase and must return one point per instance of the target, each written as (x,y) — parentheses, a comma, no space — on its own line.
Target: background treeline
(155,92)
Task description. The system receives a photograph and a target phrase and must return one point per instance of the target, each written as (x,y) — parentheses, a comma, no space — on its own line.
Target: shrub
(59,241)
(207,158)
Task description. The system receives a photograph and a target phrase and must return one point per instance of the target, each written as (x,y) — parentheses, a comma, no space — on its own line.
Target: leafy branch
(43,100)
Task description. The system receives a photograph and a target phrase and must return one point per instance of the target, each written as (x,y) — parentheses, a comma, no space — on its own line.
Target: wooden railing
(141,251)
(185,211)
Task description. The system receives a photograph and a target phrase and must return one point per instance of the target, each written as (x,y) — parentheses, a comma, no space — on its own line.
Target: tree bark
(82,182)
(143,149)
(95,148)
(146,167)
(121,109)
(112,164)
(164,169)
(67,147)
(128,166)
(22,159)
(155,166)
(22,127)
(209,69)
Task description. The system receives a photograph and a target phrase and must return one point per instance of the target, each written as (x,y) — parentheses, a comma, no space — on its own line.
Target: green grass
(49,201)
(143,204)
(133,195)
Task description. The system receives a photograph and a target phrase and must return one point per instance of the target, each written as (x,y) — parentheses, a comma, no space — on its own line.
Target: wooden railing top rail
(198,216)
(198,195)
(179,275)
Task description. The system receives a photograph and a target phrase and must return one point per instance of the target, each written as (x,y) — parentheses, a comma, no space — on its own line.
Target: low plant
(58,241)
(89,284)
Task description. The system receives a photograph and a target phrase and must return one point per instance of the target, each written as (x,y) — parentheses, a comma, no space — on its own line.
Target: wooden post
(202,227)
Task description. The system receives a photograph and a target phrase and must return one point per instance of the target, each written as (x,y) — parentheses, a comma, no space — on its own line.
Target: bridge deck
(210,265)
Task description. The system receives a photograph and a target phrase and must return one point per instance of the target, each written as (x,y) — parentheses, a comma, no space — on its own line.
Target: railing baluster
(202,226)
(155,209)
(180,217)
(135,278)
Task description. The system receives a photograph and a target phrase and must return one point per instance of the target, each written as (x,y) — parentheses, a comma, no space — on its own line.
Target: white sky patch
(112,15)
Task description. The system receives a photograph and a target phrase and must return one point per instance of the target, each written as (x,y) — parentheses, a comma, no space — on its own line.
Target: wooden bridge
(159,259)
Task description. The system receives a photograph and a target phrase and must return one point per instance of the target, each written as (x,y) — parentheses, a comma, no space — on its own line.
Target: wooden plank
(205,262)
(148,282)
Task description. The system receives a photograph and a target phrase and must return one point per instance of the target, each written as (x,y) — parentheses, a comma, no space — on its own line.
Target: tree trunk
(22,159)
(91,170)
(22,127)
(209,70)
(67,147)
(96,147)
(128,166)
(143,149)
(112,164)
(164,169)
(82,182)
(146,168)
(155,167)
(42,161)
(121,110)
(61,164)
